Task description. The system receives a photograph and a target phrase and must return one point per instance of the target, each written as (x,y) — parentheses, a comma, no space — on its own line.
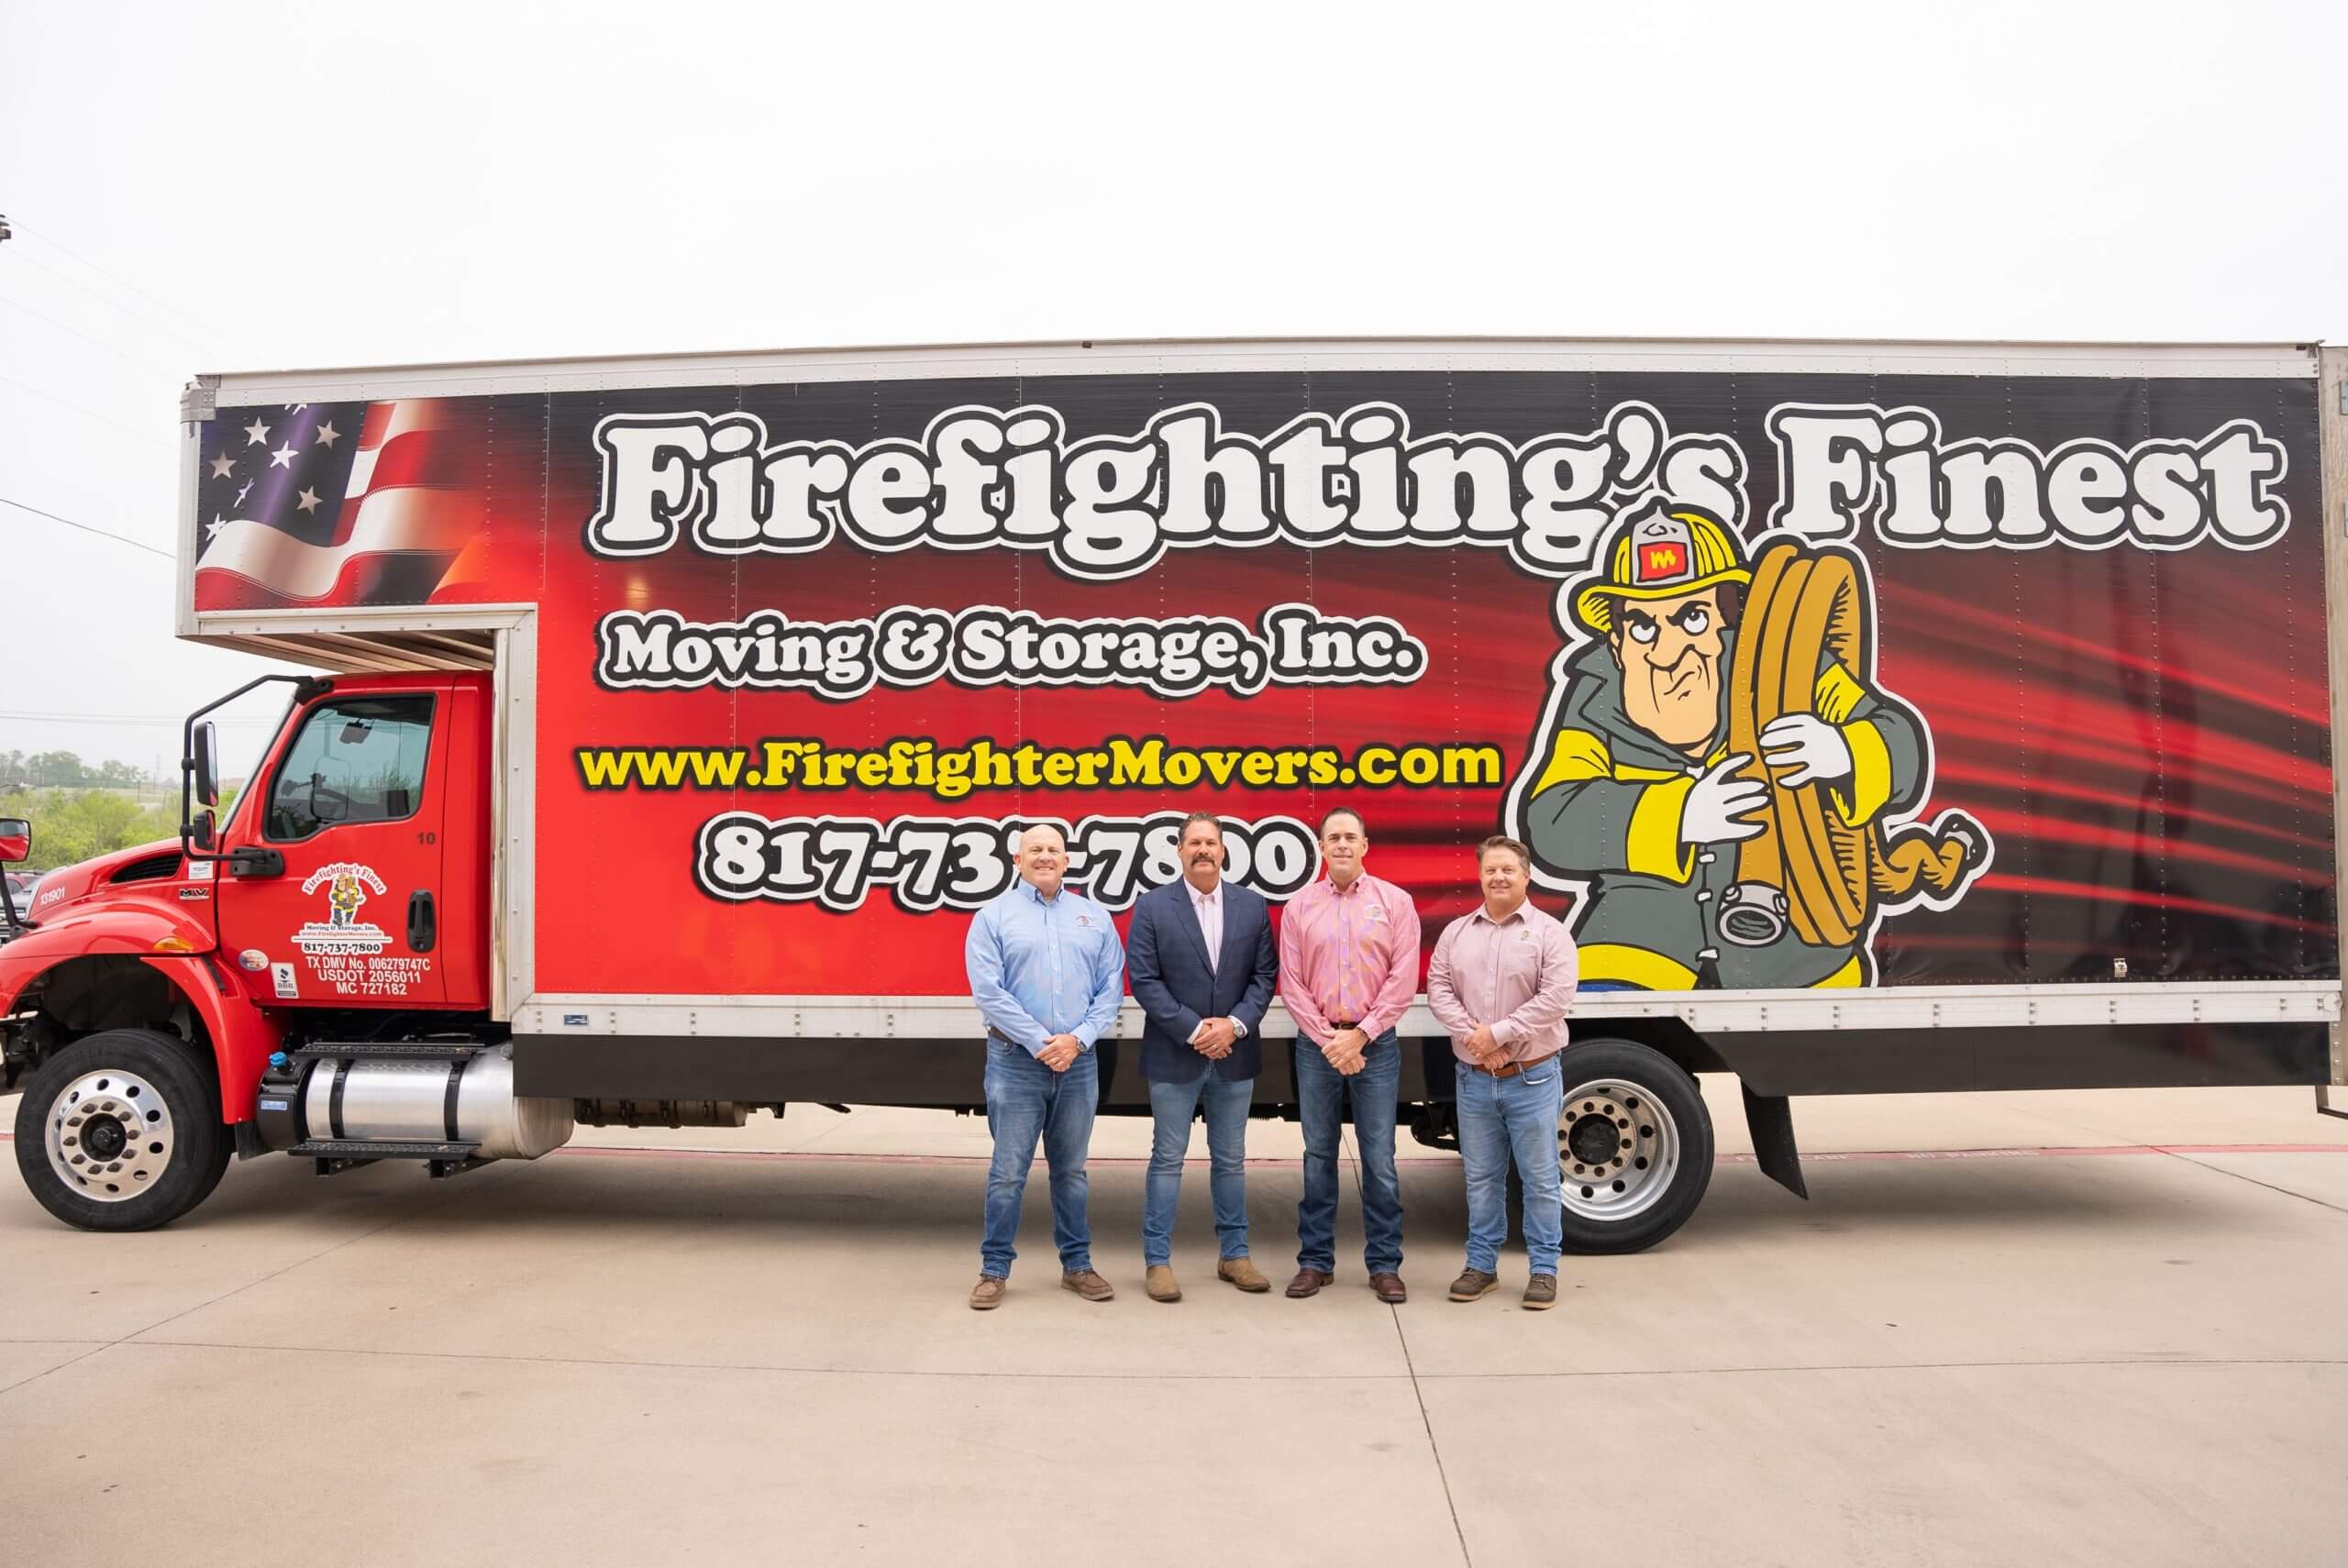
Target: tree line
(65,769)
(74,824)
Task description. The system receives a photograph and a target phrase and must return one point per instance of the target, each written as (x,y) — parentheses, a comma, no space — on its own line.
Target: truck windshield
(358,759)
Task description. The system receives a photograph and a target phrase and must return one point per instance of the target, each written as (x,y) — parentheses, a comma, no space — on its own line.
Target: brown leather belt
(1505,1070)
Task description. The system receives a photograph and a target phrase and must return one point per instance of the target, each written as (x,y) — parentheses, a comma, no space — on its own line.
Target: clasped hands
(1214,1039)
(1485,1046)
(1060,1051)
(1343,1050)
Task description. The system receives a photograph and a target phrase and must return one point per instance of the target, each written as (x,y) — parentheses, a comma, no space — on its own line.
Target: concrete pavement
(2121,1336)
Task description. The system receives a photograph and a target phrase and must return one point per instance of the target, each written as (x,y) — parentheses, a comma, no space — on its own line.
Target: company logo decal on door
(345,952)
(342,934)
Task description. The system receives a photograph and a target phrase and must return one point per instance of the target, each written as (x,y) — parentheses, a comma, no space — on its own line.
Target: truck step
(410,1049)
(360,1149)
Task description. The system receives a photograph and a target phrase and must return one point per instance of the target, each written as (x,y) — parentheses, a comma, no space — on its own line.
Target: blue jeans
(1171,1106)
(1322,1093)
(1500,1118)
(1025,1100)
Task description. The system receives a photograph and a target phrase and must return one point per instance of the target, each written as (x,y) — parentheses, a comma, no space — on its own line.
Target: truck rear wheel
(121,1132)
(1635,1146)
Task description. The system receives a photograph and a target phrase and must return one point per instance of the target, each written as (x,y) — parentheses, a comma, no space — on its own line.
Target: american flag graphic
(332,504)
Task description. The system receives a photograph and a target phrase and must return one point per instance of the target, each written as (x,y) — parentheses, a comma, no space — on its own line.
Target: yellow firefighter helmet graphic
(1662,554)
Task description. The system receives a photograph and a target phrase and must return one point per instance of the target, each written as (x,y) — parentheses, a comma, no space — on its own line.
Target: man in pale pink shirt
(1500,982)
(1349,964)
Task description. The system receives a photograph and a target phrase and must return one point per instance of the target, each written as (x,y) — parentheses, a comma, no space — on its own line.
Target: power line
(118,353)
(85,412)
(84,528)
(118,304)
(130,719)
(55,244)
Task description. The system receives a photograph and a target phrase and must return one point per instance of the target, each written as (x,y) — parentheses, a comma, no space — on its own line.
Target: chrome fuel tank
(392,1098)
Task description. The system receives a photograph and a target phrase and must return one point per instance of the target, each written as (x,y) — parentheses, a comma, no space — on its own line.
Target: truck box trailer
(1882,716)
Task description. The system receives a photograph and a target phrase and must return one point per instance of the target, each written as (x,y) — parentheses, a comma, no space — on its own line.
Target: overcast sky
(254,186)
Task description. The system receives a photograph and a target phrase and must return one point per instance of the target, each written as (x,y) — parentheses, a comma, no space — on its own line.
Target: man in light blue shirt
(1048,974)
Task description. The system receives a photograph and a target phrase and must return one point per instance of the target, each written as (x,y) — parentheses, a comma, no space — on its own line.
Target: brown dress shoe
(1389,1288)
(1308,1282)
(1474,1284)
(1540,1293)
(987,1295)
(1087,1284)
(1242,1274)
(1159,1284)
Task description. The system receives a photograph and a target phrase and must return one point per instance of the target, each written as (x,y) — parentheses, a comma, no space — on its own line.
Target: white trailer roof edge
(1100,356)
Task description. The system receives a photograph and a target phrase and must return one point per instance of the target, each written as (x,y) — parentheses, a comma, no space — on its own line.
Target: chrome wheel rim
(1642,1156)
(110,1135)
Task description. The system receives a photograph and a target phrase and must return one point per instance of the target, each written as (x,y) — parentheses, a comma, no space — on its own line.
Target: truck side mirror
(200,832)
(207,764)
(16,840)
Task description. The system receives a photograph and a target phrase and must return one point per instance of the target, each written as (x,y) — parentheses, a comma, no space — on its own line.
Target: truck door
(332,892)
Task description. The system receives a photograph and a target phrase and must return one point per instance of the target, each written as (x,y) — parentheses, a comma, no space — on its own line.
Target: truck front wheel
(121,1132)
(1635,1146)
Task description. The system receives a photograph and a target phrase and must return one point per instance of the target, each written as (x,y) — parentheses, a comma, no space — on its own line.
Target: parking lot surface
(2044,1329)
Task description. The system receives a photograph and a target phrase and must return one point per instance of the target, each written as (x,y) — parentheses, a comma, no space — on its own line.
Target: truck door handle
(420,931)
(252,860)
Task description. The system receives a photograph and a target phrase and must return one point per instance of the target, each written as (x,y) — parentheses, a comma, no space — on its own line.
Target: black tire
(1653,1081)
(195,1155)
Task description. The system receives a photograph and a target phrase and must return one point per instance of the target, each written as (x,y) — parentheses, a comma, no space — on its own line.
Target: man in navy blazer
(1203,965)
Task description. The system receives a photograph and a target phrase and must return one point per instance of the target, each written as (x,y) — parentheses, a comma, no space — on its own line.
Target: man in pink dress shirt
(1500,982)
(1349,964)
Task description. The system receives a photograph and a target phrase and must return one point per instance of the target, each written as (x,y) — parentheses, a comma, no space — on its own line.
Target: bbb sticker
(283,974)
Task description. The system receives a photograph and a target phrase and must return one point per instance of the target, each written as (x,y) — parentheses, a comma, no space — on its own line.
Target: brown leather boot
(987,1295)
(1540,1293)
(1389,1288)
(1474,1284)
(1159,1284)
(1308,1282)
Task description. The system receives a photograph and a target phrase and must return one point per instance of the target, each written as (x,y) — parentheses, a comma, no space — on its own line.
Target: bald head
(1043,858)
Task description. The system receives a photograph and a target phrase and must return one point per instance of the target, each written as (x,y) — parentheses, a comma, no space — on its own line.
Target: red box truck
(1882,716)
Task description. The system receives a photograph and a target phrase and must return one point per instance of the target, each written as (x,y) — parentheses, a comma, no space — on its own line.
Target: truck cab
(344,898)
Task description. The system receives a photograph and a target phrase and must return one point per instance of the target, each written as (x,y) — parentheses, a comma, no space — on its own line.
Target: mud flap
(1769,1118)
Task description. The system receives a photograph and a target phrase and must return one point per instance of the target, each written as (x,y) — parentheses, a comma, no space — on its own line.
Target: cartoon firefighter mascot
(343,897)
(1722,772)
